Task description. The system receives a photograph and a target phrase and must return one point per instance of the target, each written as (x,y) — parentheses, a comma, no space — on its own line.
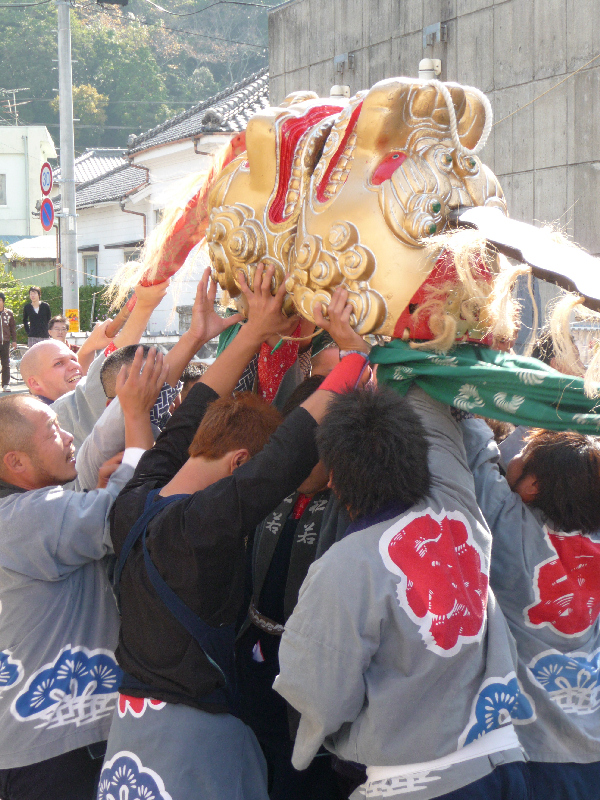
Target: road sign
(46,178)
(47,214)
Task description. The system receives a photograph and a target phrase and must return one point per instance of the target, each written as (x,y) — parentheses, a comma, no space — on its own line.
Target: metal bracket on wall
(343,61)
(438,32)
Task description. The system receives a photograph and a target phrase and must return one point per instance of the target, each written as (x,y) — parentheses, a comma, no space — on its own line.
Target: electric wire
(125,18)
(200,10)
(26,5)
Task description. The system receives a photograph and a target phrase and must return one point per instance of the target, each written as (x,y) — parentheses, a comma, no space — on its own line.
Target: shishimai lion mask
(364,193)
(346,192)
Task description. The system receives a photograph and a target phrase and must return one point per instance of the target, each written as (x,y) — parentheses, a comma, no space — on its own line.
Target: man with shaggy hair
(545,517)
(180,529)
(59,621)
(396,656)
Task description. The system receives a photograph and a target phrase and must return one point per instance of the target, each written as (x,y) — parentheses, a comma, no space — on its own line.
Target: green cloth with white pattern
(506,387)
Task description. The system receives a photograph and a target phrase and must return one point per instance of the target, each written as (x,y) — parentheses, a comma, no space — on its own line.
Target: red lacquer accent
(443,577)
(272,366)
(387,167)
(292,131)
(191,226)
(568,586)
(321,196)
(443,272)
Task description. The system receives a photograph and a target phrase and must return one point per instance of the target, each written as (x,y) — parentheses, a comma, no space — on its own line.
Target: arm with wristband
(353,370)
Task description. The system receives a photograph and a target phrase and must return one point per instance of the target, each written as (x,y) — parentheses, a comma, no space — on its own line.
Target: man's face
(59,372)
(51,460)
(58,331)
(1,304)
(34,297)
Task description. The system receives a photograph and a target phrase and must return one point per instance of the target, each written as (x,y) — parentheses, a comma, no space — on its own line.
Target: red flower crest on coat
(137,705)
(443,588)
(567,585)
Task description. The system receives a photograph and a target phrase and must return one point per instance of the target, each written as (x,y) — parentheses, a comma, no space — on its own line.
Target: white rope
(489,118)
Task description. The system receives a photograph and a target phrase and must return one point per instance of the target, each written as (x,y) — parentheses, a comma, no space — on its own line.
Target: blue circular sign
(47,214)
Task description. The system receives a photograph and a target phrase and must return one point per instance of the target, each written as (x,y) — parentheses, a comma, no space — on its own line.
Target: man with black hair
(396,655)
(190,376)
(545,518)
(297,532)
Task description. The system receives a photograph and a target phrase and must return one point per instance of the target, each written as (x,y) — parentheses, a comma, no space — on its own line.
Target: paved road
(16,388)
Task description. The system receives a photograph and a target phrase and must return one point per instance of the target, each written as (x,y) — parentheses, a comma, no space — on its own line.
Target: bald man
(59,622)
(53,373)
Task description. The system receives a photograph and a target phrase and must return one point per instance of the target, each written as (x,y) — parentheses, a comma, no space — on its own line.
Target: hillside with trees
(133,67)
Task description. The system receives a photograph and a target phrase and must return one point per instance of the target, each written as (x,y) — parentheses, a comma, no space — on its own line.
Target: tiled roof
(226,112)
(95,162)
(110,187)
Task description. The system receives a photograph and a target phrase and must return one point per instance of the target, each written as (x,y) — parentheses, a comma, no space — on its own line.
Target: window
(2,190)
(131,255)
(90,270)
(158,215)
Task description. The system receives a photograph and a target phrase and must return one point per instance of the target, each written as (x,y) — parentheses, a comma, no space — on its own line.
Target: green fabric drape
(509,388)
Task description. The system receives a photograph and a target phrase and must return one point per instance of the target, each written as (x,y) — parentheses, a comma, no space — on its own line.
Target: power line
(26,5)
(200,10)
(125,18)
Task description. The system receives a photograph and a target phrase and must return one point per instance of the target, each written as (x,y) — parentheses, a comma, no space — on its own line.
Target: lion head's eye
(387,167)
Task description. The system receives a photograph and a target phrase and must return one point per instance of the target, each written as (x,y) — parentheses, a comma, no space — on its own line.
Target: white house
(117,210)
(23,150)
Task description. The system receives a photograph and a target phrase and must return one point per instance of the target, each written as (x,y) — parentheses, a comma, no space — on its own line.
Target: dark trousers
(72,776)
(534,781)
(4,360)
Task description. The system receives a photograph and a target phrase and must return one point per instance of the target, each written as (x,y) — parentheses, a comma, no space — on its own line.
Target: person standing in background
(36,316)
(8,339)
(58,327)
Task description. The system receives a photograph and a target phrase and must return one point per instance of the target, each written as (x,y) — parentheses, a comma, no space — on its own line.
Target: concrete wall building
(23,150)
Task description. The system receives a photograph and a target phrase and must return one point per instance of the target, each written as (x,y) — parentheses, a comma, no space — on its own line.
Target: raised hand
(337,322)
(139,386)
(206,323)
(150,296)
(265,315)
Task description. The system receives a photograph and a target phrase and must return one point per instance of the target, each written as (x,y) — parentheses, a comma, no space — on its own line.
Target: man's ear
(238,457)
(528,488)
(33,385)
(15,461)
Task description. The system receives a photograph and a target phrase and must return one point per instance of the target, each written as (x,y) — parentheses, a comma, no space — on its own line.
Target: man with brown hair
(179,530)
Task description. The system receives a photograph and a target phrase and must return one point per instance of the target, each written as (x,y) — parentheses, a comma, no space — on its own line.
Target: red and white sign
(47,214)
(46,180)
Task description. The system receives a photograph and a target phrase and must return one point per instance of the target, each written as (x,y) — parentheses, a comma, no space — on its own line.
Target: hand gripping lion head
(349,192)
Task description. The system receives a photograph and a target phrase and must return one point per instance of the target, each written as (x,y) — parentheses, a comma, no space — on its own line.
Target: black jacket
(36,324)
(198,545)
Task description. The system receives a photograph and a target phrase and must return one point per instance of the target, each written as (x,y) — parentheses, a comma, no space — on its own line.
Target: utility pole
(68,216)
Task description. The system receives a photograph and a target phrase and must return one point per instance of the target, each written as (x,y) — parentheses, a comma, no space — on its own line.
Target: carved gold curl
(319,270)
(235,239)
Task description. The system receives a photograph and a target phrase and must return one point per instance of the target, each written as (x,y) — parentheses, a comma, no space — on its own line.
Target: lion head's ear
(471,118)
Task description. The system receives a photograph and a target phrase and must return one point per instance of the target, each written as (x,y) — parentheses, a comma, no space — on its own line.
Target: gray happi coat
(58,621)
(396,653)
(548,585)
